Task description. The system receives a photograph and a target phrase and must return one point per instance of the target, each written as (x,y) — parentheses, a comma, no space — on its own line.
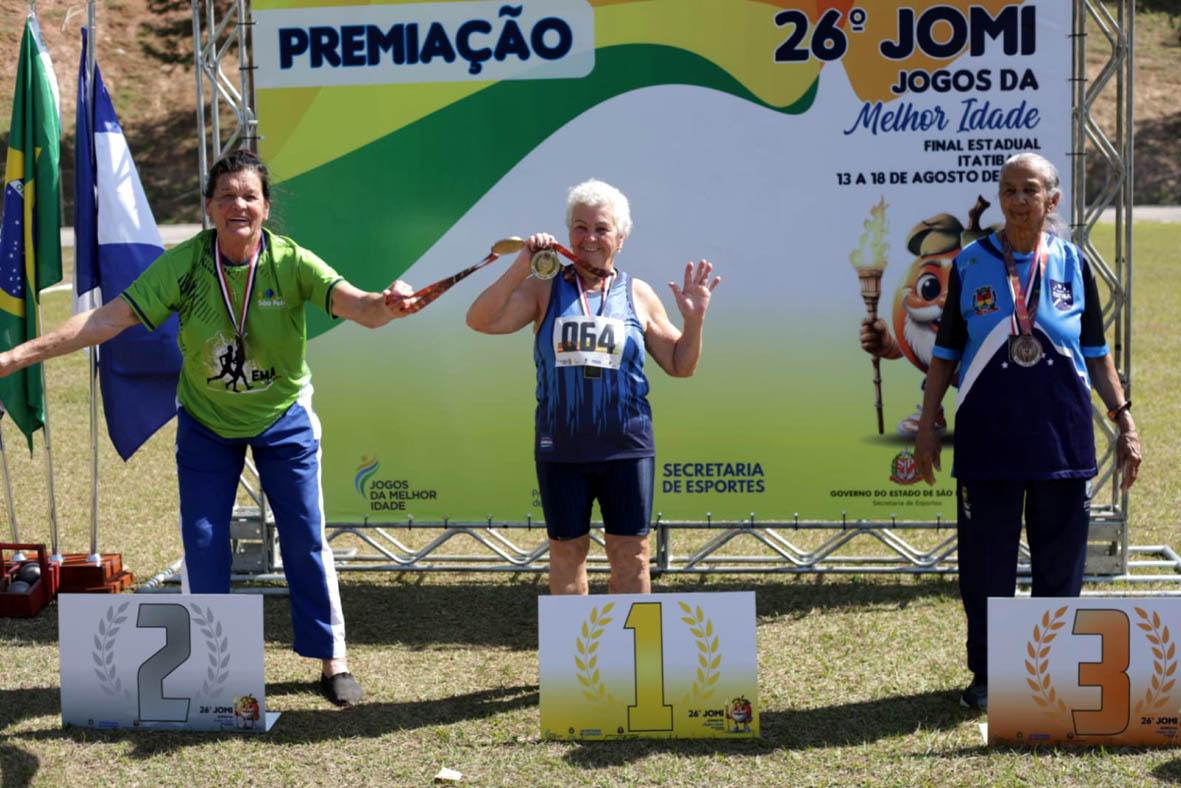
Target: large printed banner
(1083,671)
(809,149)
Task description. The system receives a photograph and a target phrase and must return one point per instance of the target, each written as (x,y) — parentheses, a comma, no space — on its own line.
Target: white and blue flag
(115,240)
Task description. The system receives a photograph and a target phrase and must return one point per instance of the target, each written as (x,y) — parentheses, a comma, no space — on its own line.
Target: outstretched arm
(677,351)
(84,329)
(372,310)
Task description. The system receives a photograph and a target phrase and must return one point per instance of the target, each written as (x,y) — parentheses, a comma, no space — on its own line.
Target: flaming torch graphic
(869,258)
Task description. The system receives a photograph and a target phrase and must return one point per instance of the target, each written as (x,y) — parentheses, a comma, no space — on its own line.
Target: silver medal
(1025,350)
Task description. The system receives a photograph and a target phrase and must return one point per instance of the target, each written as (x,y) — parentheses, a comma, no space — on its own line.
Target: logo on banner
(904,469)
(382,494)
(424,42)
(365,472)
(1061,294)
(984,301)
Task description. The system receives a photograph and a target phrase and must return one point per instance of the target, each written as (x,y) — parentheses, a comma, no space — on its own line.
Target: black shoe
(342,689)
(975,696)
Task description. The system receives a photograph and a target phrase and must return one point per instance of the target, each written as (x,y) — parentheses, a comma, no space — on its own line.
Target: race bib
(589,341)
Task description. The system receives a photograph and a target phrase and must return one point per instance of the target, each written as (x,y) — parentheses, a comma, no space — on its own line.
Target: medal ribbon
(602,297)
(239,324)
(602,273)
(1024,312)
(427,295)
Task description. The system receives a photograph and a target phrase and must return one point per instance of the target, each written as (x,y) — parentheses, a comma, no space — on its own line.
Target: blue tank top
(592,395)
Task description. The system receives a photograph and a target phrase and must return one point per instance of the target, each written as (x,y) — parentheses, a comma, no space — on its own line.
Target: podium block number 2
(650,712)
(177,648)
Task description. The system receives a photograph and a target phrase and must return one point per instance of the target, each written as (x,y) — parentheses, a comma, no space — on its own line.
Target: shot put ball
(30,572)
(18,587)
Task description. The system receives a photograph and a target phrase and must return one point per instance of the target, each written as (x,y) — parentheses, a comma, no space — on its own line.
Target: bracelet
(1114,413)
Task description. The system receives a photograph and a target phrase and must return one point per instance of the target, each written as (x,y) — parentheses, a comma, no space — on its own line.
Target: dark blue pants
(988,521)
(287,455)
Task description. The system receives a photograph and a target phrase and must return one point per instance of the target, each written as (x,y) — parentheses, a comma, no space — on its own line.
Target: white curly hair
(597,194)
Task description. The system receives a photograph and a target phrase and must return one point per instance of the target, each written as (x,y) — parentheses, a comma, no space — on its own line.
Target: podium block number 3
(174,620)
(1110,674)
(650,712)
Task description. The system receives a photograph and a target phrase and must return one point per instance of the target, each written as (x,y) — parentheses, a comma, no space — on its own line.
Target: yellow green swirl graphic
(410,159)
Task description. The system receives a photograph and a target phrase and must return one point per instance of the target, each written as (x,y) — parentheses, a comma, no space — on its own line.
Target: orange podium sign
(1094,671)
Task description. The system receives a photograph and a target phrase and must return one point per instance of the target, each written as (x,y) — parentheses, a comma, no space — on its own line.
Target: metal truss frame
(717,547)
(218,41)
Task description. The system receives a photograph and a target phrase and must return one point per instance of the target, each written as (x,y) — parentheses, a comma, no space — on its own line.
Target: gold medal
(545,264)
(508,245)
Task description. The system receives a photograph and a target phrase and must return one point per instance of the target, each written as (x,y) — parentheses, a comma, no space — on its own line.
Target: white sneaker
(909,426)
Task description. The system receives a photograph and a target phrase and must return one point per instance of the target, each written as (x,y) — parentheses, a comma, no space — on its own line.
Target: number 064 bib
(588,341)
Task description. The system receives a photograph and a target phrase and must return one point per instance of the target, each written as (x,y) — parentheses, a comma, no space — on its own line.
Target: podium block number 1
(650,712)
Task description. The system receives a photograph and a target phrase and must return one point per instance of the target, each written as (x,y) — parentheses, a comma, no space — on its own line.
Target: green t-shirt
(236,391)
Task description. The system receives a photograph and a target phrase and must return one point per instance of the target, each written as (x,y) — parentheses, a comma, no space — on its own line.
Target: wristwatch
(1114,413)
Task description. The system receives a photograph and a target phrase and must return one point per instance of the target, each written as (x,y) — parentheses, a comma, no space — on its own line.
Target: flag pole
(55,553)
(8,491)
(94,557)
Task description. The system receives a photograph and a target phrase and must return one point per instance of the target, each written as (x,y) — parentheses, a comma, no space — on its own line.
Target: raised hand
(693,296)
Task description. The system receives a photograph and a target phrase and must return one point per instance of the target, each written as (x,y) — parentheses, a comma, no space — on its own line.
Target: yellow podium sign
(622,666)
(1083,671)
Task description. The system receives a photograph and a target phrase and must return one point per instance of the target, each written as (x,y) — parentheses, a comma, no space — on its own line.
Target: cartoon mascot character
(918,303)
(740,712)
(246,712)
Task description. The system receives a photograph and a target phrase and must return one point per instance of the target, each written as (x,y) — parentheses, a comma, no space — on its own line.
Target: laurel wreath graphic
(709,657)
(104,649)
(587,660)
(1164,663)
(217,646)
(1038,664)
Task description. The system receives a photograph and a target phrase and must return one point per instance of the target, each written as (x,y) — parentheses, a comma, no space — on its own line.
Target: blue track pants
(287,455)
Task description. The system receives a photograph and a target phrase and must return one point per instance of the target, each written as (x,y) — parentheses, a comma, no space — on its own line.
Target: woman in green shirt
(239,291)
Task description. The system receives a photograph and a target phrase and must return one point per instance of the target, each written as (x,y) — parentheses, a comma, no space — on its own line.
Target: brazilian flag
(30,232)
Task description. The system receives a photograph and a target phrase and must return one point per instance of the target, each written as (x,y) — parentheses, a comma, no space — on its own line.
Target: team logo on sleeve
(1061,294)
(984,300)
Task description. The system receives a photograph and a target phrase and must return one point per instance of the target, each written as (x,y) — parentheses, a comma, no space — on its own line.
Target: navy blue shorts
(623,489)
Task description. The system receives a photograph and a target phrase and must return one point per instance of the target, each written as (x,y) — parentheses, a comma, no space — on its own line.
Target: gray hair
(597,194)
(1055,224)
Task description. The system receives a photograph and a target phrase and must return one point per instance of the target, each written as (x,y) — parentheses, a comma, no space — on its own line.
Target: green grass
(858,676)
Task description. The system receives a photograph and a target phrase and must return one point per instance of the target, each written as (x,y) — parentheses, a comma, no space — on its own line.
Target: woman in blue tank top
(593,429)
